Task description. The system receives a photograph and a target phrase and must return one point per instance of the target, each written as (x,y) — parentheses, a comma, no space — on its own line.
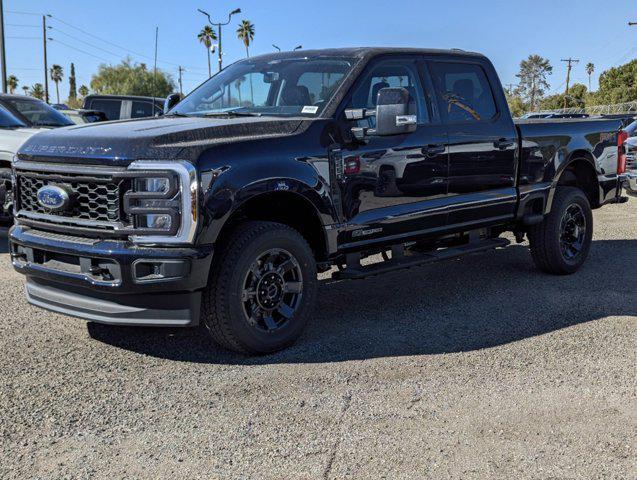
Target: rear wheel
(561,243)
(261,290)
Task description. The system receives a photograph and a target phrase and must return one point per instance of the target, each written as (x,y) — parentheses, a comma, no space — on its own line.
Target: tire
(5,192)
(249,305)
(560,245)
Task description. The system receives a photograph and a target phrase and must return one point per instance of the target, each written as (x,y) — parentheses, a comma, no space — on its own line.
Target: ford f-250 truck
(223,210)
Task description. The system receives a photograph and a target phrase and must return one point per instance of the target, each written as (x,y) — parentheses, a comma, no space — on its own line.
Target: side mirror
(395,112)
(395,115)
(172,100)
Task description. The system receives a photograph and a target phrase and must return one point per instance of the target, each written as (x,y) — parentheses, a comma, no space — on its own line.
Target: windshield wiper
(176,114)
(232,114)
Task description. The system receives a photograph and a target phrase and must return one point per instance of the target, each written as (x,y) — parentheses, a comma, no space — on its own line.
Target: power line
(84,42)
(78,49)
(24,13)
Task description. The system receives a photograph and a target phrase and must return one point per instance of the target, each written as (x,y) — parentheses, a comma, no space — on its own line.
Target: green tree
(56,75)
(590,68)
(73,103)
(516,105)
(245,32)
(206,37)
(12,83)
(618,85)
(130,78)
(37,91)
(83,91)
(577,98)
(533,82)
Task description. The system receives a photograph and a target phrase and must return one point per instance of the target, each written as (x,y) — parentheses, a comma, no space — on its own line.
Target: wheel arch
(290,208)
(578,171)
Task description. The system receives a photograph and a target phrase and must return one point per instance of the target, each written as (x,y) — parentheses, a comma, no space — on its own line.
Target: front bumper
(110,281)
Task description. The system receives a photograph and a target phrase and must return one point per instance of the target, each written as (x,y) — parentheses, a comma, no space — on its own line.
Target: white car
(13,133)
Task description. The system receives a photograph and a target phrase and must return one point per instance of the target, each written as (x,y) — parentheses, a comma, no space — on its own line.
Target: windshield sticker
(310,109)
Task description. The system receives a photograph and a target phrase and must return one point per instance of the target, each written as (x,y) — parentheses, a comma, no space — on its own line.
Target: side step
(400,260)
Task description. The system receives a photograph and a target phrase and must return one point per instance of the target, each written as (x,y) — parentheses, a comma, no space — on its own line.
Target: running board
(400,260)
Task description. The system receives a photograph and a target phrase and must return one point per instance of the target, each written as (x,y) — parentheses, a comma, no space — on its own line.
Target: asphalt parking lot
(477,368)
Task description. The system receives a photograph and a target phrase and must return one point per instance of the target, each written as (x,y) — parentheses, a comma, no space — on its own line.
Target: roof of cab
(360,52)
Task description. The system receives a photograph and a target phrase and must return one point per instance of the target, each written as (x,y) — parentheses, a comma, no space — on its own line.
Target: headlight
(163,202)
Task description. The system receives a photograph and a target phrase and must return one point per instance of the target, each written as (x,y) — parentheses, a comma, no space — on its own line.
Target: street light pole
(46,66)
(219,25)
(3,56)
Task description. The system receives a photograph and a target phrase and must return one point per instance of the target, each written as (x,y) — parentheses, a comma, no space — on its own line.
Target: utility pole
(219,25)
(46,66)
(570,62)
(181,88)
(3,56)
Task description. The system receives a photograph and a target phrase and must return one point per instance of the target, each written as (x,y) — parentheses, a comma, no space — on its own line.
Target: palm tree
(56,75)
(37,91)
(590,68)
(83,91)
(26,89)
(207,36)
(237,85)
(245,32)
(12,83)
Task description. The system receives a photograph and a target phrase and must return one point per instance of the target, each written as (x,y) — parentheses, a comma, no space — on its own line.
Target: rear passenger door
(482,142)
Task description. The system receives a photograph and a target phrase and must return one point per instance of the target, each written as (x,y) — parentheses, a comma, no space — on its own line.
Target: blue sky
(506,31)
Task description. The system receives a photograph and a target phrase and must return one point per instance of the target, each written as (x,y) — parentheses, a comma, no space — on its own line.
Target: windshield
(281,87)
(38,113)
(7,120)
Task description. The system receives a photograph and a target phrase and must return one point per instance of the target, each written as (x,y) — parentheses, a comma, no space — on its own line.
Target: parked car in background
(121,107)
(82,116)
(34,113)
(13,133)
(630,147)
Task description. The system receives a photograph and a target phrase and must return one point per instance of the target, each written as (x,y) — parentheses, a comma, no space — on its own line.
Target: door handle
(433,150)
(503,144)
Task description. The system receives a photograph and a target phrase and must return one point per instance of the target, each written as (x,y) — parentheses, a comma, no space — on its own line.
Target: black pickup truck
(222,211)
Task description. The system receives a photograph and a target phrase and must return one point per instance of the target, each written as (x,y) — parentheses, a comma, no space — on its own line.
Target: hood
(161,138)
(12,139)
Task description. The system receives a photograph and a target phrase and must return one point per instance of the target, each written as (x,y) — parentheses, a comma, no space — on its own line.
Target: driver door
(395,187)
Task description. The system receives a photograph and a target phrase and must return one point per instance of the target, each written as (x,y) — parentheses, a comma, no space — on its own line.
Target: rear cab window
(464,92)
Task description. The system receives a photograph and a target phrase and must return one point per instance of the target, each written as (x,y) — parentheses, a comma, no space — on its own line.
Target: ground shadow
(473,303)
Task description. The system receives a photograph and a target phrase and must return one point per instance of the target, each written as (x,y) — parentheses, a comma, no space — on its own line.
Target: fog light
(155,221)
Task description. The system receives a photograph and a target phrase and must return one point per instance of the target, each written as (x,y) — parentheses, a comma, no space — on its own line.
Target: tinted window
(8,120)
(111,108)
(390,73)
(320,85)
(142,109)
(465,90)
(38,113)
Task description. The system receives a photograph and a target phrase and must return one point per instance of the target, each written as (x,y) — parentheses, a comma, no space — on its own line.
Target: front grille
(95,198)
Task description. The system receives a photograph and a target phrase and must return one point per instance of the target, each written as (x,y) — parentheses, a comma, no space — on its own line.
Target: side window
(141,109)
(111,108)
(466,94)
(391,73)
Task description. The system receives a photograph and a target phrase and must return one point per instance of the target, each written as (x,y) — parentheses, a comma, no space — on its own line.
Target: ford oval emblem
(53,198)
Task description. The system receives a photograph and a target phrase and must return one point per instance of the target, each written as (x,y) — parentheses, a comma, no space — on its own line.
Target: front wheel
(561,243)
(261,290)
